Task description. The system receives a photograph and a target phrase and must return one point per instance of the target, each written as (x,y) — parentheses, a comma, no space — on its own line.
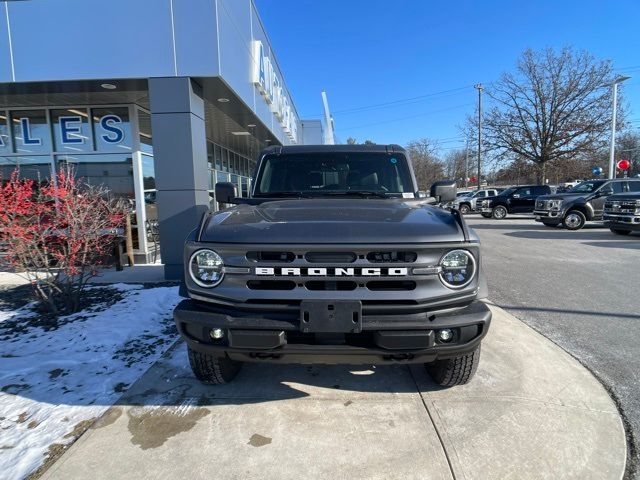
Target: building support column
(180,158)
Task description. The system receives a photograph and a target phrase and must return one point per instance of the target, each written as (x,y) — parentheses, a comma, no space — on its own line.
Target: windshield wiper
(360,193)
(281,194)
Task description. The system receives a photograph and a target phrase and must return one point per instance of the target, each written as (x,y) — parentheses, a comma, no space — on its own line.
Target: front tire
(618,231)
(464,209)
(499,212)
(574,220)
(454,371)
(213,370)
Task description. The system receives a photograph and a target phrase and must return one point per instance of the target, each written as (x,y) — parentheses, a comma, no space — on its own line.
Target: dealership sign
(71,130)
(269,84)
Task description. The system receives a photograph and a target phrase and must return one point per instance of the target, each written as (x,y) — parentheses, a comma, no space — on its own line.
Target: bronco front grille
(261,274)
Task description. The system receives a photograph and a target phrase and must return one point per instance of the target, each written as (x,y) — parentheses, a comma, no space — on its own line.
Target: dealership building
(156,99)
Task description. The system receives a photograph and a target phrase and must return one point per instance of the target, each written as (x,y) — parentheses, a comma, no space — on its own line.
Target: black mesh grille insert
(286,257)
(330,285)
(330,257)
(271,285)
(392,257)
(391,285)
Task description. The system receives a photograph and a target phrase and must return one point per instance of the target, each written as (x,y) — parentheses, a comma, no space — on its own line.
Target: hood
(625,196)
(333,221)
(562,196)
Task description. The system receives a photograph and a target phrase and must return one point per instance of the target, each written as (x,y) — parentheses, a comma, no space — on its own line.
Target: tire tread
(212,370)
(455,371)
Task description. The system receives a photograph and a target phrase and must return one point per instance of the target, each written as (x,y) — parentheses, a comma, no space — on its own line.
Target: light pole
(612,165)
(480,88)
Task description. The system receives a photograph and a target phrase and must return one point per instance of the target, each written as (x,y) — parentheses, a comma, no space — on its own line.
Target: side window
(617,187)
(634,186)
(483,194)
(523,191)
(540,190)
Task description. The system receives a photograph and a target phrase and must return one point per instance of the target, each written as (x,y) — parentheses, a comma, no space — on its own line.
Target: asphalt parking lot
(579,289)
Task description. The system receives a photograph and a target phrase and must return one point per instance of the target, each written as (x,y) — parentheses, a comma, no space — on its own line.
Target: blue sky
(371,52)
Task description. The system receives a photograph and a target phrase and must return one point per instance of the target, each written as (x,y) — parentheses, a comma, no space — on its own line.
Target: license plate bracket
(331,316)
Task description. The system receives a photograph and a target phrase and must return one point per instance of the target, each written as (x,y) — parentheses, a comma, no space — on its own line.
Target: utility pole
(480,88)
(466,166)
(612,166)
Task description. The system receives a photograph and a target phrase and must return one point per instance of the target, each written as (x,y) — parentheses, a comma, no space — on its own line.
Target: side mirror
(226,192)
(606,192)
(515,195)
(444,191)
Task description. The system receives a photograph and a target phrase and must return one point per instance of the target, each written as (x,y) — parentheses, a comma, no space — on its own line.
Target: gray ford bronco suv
(335,257)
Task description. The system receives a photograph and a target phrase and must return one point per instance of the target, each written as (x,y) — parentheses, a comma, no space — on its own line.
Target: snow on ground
(54,382)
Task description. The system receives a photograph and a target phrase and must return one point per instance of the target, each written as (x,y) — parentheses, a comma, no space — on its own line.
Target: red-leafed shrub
(57,234)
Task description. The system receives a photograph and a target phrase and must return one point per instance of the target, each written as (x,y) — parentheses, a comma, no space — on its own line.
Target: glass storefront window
(30,131)
(36,168)
(210,162)
(218,157)
(5,141)
(148,172)
(111,129)
(144,129)
(71,130)
(225,160)
(245,187)
(114,171)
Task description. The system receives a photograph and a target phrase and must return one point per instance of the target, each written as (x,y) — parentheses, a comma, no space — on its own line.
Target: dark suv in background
(582,203)
(521,199)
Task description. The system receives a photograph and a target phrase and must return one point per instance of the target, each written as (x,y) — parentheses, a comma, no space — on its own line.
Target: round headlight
(206,268)
(458,268)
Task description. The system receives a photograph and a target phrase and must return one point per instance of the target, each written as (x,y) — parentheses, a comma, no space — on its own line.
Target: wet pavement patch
(151,428)
(257,440)
(108,418)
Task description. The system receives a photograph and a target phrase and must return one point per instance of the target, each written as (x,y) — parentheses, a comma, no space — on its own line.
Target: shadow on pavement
(512,308)
(607,238)
(171,382)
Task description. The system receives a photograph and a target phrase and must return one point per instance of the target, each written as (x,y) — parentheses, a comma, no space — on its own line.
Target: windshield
(586,187)
(333,173)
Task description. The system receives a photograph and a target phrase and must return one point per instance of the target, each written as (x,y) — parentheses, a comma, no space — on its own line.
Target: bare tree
(628,147)
(353,141)
(426,164)
(455,162)
(553,108)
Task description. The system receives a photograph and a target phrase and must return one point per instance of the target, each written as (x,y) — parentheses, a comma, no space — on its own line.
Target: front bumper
(263,336)
(552,217)
(626,221)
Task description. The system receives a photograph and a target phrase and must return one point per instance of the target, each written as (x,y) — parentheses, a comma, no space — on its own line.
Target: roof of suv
(278,150)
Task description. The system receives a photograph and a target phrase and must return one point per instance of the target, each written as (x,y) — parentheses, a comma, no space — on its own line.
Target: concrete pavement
(532,411)
(578,289)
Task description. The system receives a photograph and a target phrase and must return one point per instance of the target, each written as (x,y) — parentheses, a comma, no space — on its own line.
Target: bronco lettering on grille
(332,272)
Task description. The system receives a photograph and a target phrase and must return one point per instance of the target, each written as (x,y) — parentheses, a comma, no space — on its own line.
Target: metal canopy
(220,118)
